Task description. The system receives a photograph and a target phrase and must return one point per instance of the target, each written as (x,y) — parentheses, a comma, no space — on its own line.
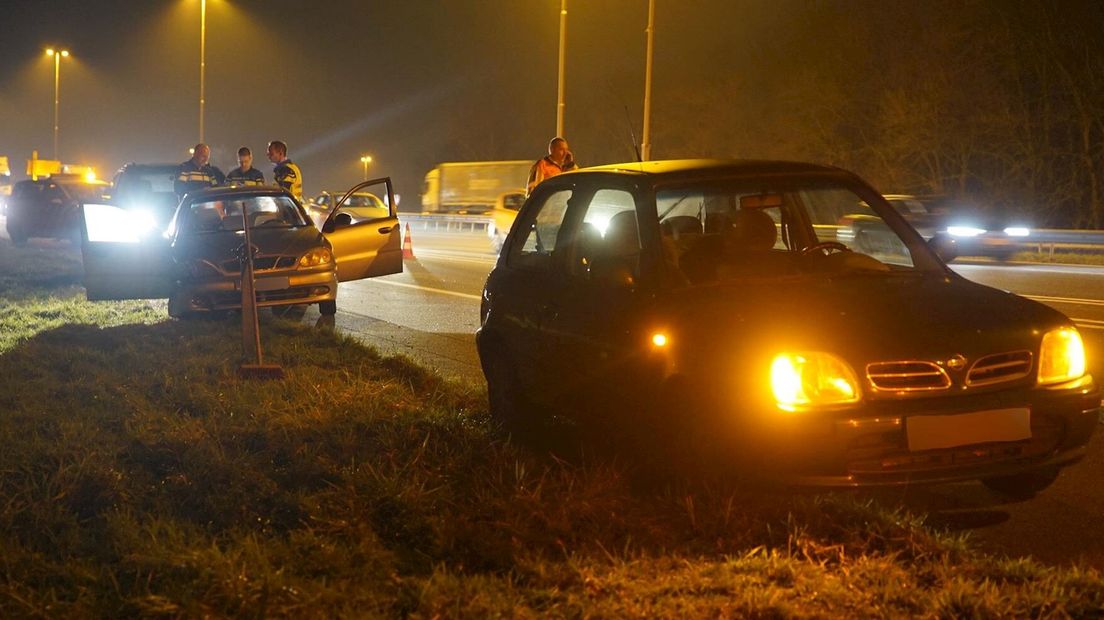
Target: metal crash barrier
(430,222)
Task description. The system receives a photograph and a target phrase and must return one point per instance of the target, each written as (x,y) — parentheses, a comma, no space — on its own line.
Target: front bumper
(870,447)
(276,288)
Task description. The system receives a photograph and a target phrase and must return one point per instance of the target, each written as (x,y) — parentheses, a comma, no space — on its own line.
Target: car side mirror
(944,247)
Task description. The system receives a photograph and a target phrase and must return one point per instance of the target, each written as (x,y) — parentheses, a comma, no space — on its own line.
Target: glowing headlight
(1017,231)
(802,380)
(964,231)
(1062,356)
(316,257)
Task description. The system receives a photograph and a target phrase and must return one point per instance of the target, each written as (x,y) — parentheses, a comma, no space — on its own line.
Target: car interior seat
(752,230)
(622,236)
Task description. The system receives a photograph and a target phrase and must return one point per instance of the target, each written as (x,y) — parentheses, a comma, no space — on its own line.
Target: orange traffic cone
(408,246)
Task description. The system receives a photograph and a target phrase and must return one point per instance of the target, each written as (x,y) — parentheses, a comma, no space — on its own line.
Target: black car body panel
(577,328)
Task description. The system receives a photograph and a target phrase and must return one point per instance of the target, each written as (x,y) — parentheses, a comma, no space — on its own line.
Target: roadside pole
(251,330)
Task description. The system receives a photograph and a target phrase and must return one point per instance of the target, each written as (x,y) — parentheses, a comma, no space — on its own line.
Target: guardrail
(1042,240)
(446,222)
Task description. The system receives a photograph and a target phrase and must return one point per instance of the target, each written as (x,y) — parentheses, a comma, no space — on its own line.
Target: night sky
(410,82)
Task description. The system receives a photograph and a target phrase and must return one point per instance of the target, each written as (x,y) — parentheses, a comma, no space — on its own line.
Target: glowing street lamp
(57,55)
(366,159)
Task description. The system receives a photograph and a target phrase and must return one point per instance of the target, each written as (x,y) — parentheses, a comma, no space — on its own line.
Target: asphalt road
(430,312)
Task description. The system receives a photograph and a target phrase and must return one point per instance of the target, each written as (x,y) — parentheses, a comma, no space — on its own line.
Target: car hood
(862,318)
(222,246)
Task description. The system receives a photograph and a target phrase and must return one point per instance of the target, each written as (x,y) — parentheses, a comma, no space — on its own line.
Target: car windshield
(86,192)
(145,182)
(712,232)
(226,214)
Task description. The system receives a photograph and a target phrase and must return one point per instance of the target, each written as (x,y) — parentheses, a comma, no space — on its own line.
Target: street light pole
(57,56)
(202,63)
(560,85)
(646,139)
(367,159)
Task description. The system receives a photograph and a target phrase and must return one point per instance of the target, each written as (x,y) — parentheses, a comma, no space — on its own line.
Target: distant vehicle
(197,265)
(502,217)
(358,207)
(971,232)
(50,207)
(147,188)
(706,308)
(472,187)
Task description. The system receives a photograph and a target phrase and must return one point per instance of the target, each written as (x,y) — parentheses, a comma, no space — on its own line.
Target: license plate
(933,432)
(268,284)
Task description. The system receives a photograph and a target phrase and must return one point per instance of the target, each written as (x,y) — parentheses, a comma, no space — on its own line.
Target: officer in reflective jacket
(245,173)
(197,173)
(286,172)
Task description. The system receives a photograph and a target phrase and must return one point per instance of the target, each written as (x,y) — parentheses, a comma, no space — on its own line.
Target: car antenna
(632,135)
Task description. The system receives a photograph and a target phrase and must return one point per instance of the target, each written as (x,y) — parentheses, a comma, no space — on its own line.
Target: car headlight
(1017,231)
(965,231)
(1062,356)
(801,380)
(316,257)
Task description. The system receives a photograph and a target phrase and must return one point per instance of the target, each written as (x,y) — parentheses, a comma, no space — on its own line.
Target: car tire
(177,311)
(328,308)
(15,231)
(1023,485)
(507,403)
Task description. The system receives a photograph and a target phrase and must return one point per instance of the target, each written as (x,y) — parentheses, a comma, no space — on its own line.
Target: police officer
(286,173)
(245,173)
(559,160)
(197,173)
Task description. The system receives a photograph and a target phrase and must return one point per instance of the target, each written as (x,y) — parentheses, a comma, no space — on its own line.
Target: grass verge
(140,477)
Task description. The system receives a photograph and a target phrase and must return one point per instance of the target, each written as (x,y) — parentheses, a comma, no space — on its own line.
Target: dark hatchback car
(712,302)
(148,189)
(50,207)
(196,264)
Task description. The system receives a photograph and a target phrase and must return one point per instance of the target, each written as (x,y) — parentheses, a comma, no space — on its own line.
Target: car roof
(714,167)
(237,192)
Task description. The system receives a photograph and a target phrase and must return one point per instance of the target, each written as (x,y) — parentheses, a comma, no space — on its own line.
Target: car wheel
(15,231)
(1003,255)
(328,308)
(508,404)
(1022,486)
(177,309)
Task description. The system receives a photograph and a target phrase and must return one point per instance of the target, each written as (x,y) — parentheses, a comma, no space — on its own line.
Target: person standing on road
(245,173)
(559,160)
(197,172)
(286,173)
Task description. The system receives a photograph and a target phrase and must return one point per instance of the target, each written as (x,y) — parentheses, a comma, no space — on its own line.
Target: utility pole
(560,86)
(202,63)
(646,139)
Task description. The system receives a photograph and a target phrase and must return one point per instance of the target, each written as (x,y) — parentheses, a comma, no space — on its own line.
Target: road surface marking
(457,256)
(439,291)
(1089,323)
(1067,300)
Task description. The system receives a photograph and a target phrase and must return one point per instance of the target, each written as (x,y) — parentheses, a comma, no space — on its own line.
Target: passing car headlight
(1062,356)
(316,257)
(965,231)
(1017,231)
(801,380)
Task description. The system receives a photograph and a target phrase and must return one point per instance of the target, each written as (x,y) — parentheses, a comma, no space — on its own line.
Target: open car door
(125,256)
(364,231)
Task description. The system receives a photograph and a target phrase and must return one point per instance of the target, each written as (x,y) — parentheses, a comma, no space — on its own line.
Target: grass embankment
(1061,257)
(140,477)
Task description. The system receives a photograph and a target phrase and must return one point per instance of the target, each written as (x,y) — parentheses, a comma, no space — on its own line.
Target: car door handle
(385,230)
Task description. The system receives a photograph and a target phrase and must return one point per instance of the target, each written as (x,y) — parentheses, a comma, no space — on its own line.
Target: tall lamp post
(646,139)
(560,77)
(57,55)
(202,63)
(366,159)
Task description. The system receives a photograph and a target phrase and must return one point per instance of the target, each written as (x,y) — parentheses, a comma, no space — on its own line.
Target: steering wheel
(825,247)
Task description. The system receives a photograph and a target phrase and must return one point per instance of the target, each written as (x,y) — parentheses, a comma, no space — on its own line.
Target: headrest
(622,237)
(752,229)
